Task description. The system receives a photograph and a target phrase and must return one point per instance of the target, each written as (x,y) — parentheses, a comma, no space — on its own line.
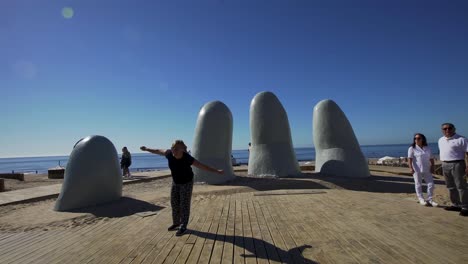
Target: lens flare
(67,12)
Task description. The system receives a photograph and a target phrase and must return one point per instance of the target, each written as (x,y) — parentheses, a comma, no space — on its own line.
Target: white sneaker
(422,202)
(434,204)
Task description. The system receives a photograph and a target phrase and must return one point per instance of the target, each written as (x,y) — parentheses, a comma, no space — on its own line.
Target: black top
(181,169)
(126,159)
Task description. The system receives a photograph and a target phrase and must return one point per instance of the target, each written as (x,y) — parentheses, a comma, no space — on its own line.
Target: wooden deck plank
(151,233)
(56,245)
(274,228)
(284,220)
(113,239)
(198,240)
(340,225)
(348,231)
(260,250)
(191,236)
(216,255)
(61,249)
(156,237)
(349,248)
(238,233)
(404,235)
(121,248)
(91,244)
(249,245)
(270,246)
(21,248)
(210,240)
(148,238)
(228,250)
(195,224)
(25,239)
(163,249)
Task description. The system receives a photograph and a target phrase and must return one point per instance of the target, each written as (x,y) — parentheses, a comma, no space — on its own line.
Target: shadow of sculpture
(125,206)
(260,249)
(269,184)
(374,183)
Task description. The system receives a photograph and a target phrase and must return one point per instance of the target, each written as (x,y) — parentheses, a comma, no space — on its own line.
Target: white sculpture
(213,142)
(271,153)
(92,175)
(337,150)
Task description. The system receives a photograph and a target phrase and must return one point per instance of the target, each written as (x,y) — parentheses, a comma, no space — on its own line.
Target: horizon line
(65,155)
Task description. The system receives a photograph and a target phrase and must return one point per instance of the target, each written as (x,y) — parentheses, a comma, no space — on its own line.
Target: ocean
(145,161)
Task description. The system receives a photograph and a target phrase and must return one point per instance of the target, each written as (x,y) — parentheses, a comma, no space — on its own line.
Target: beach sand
(30,181)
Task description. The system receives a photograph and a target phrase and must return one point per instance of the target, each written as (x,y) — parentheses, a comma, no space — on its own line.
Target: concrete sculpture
(271,153)
(212,144)
(92,175)
(337,150)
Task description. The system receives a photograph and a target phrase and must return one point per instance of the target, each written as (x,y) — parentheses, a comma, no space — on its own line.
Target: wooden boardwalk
(327,226)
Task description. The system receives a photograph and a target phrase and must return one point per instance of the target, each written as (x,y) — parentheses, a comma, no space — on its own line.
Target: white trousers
(418,176)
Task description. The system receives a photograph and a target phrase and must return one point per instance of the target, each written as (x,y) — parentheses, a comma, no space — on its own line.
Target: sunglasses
(417,138)
(447,128)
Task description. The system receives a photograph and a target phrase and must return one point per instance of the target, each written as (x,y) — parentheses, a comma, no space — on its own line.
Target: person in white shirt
(453,148)
(421,164)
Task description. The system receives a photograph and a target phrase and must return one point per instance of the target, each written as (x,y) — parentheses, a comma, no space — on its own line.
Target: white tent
(381,160)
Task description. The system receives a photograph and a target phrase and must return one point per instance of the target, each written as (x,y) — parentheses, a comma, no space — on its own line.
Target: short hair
(180,143)
(449,124)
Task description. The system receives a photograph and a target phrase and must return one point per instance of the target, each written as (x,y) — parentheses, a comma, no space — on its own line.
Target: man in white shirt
(453,149)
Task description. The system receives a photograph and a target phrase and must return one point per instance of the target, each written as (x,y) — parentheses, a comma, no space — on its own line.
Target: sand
(30,181)
(154,195)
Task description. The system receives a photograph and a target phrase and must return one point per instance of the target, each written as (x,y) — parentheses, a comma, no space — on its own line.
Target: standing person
(180,163)
(453,148)
(421,164)
(125,162)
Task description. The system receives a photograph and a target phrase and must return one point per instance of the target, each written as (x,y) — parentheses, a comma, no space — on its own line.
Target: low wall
(15,176)
(2,185)
(56,173)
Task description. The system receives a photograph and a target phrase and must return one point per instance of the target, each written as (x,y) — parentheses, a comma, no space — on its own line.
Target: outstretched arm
(202,166)
(161,152)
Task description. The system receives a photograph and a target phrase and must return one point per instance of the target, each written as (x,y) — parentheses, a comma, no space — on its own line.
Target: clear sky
(138,72)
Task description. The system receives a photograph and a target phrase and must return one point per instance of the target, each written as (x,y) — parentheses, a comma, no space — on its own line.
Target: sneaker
(453,208)
(173,228)
(464,212)
(432,203)
(181,231)
(422,202)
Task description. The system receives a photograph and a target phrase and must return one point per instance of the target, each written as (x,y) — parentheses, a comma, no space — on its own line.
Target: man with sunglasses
(453,149)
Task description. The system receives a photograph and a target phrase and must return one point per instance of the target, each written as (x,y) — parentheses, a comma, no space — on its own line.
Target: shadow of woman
(268,252)
(125,206)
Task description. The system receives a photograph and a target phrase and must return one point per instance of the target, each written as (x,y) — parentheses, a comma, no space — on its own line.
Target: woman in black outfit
(125,162)
(180,163)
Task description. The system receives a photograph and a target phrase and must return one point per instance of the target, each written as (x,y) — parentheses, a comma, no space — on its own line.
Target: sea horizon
(142,152)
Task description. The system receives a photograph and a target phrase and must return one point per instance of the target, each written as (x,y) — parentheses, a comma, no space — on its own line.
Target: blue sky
(138,72)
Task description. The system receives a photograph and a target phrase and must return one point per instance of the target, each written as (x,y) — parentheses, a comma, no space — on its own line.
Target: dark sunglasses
(447,128)
(417,138)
